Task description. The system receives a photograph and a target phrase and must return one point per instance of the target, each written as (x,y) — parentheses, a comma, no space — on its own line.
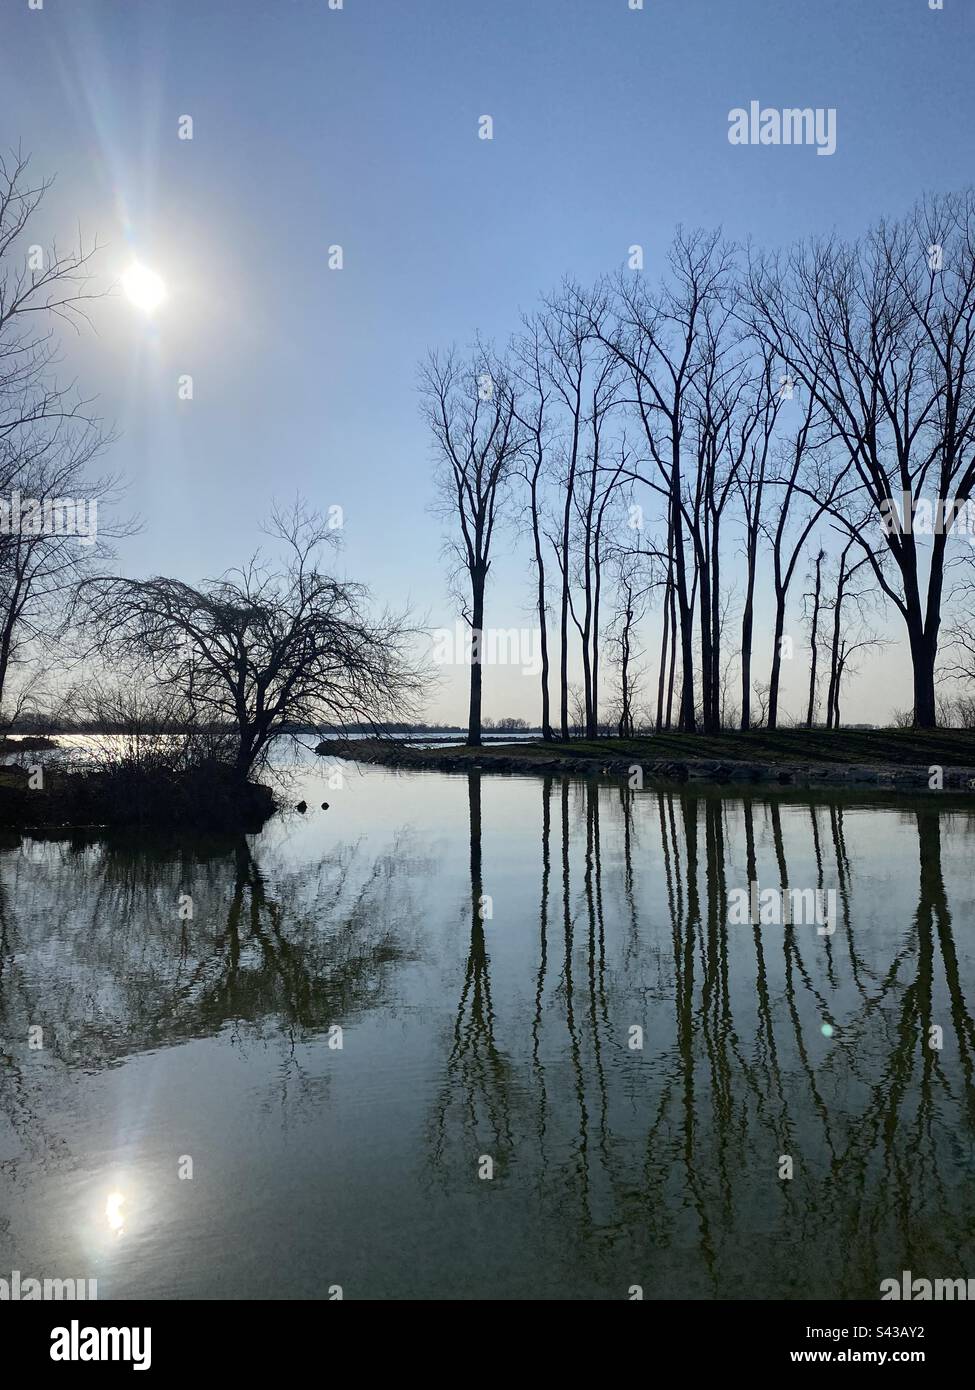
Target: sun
(113,1212)
(144,287)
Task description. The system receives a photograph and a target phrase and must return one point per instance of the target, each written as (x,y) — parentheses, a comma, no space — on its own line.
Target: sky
(314,127)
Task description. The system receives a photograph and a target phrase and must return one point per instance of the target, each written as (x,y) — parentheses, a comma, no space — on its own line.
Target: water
(487,945)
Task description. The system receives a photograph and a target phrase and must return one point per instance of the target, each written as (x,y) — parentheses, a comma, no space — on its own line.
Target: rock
(302,807)
(324,805)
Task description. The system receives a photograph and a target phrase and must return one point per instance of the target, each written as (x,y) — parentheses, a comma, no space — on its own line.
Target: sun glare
(113,1212)
(144,288)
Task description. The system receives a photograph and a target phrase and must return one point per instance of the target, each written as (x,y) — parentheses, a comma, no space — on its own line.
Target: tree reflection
(638,1065)
(97,947)
(662,1164)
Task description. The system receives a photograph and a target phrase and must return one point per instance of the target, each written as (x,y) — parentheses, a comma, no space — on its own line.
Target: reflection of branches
(478,1075)
(269,952)
(644,1155)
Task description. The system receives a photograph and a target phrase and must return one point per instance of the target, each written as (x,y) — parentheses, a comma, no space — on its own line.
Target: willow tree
(262,650)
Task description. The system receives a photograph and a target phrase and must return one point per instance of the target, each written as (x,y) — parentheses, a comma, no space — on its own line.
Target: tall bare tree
(817,602)
(751,478)
(50,531)
(595,495)
(531,368)
(799,460)
(572,358)
(478,439)
(657,335)
(51,538)
(851,632)
(881,331)
(633,582)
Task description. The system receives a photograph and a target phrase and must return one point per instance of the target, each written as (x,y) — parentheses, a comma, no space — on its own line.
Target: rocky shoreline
(558,761)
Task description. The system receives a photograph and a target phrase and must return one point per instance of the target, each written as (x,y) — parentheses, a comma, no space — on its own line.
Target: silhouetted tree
(470,408)
(267,647)
(881,332)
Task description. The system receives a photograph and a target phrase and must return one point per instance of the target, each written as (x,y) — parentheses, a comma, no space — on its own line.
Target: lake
(492,1037)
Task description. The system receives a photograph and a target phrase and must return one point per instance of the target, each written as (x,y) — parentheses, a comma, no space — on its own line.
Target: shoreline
(557,759)
(86,799)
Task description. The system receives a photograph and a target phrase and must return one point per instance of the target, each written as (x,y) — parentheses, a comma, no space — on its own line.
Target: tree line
(786,410)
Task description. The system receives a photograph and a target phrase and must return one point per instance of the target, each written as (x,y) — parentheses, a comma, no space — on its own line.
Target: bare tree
(726,408)
(851,632)
(796,464)
(816,596)
(470,408)
(265,649)
(668,646)
(580,377)
(531,367)
(881,332)
(50,534)
(632,585)
(761,692)
(55,540)
(37,284)
(596,493)
(658,336)
(959,649)
(751,479)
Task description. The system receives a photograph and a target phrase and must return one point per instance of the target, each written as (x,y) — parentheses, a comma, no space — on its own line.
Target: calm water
(486,946)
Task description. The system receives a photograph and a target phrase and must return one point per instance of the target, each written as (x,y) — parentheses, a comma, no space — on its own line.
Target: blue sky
(359,127)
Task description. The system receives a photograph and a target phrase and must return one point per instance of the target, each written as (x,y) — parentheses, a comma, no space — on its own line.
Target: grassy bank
(884,758)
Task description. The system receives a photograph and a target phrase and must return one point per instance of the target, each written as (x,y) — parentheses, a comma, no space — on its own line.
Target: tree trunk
(596,595)
(832,697)
(813,641)
(245,752)
(747,631)
(716,622)
(836,692)
(477,636)
(923,656)
(625,724)
(543,630)
(773,692)
(686,722)
(564,615)
(707,648)
(664,651)
(673,659)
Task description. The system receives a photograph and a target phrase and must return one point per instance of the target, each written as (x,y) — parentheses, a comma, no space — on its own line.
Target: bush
(134,792)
